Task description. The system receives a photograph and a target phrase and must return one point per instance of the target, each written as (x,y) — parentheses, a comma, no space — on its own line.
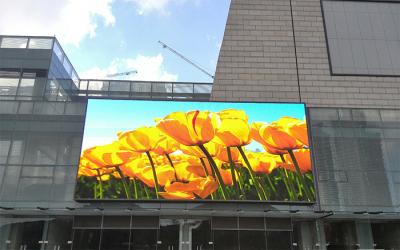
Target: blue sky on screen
(105,118)
(104,37)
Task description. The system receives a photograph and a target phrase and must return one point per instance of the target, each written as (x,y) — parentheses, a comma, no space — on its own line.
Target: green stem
(146,191)
(206,173)
(290,181)
(301,177)
(241,185)
(95,190)
(285,182)
(260,191)
(204,166)
(156,185)
(100,184)
(124,183)
(267,194)
(270,183)
(172,165)
(232,167)
(290,188)
(133,181)
(215,169)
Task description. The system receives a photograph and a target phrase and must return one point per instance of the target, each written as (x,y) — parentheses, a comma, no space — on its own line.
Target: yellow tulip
(177,195)
(190,169)
(166,145)
(190,128)
(165,174)
(134,167)
(222,154)
(211,147)
(141,140)
(262,162)
(107,155)
(201,187)
(303,158)
(233,114)
(234,130)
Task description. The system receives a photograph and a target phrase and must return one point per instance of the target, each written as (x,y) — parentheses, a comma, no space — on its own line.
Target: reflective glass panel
(115,239)
(8,86)
(226,240)
(86,239)
(363,37)
(279,240)
(340,235)
(252,240)
(143,239)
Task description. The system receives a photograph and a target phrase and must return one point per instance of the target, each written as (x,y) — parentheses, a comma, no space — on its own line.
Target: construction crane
(185,59)
(127,73)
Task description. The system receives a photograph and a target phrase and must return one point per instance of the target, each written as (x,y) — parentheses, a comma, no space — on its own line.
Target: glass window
(17,151)
(340,235)
(357,159)
(34,188)
(10,183)
(183,88)
(26,87)
(57,50)
(279,240)
(226,240)
(40,43)
(115,239)
(8,86)
(229,223)
(116,222)
(87,221)
(4,148)
(363,37)
(17,233)
(252,240)
(14,42)
(86,239)
(59,233)
(41,149)
(145,222)
(8,107)
(144,239)
(386,235)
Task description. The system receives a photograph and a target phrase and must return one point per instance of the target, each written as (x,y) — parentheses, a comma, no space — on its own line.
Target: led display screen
(207,151)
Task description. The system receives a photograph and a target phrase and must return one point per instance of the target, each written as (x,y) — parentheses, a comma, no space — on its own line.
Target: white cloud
(149,68)
(69,20)
(161,6)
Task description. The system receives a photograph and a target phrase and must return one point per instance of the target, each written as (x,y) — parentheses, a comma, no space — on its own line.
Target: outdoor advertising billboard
(206,151)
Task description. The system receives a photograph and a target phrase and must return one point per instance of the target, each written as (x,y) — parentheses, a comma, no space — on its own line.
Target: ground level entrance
(145,233)
(134,232)
(222,233)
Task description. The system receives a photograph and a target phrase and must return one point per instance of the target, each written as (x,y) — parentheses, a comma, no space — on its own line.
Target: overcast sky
(102,37)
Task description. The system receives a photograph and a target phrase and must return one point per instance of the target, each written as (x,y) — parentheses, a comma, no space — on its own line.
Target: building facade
(340,58)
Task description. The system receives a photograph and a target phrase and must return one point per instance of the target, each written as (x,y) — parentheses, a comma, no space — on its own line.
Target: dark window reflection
(86,239)
(201,235)
(279,240)
(252,240)
(59,234)
(340,235)
(169,235)
(386,235)
(144,239)
(304,235)
(113,239)
(226,240)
